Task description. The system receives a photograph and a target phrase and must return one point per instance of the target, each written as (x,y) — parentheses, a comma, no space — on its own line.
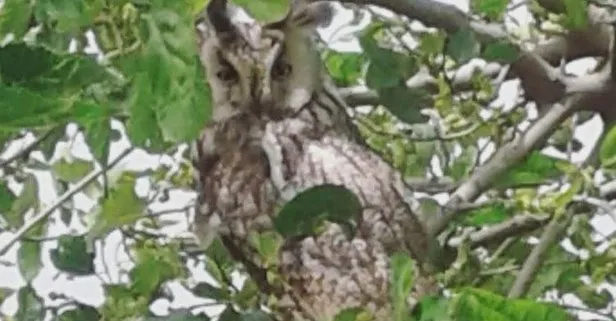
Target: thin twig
(530,267)
(66,196)
(27,149)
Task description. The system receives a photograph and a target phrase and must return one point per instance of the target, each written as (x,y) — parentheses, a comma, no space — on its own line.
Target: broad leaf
(72,256)
(265,10)
(73,171)
(402,279)
(502,52)
(576,13)
(494,9)
(491,214)
(344,68)
(477,304)
(353,314)
(7,197)
(46,71)
(14,17)
(309,210)
(209,291)
(81,313)
(169,100)
(462,45)
(121,207)
(27,199)
(607,151)
(154,265)
(96,120)
(29,259)
(405,103)
(537,168)
(68,15)
(30,306)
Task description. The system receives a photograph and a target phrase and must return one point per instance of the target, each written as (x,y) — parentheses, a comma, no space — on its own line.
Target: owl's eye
(227,74)
(281,70)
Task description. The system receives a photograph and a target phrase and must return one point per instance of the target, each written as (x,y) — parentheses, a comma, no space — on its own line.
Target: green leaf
(265,10)
(434,309)
(5,293)
(308,210)
(81,313)
(27,199)
(492,214)
(44,71)
(68,15)
(73,171)
(121,207)
(21,108)
(169,100)
(353,314)
(96,120)
(462,45)
(209,291)
(402,278)
(576,16)
(7,197)
(344,68)
(155,264)
(29,259)
(122,303)
(30,306)
(494,9)
(72,256)
(405,103)
(607,150)
(464,164)
(14,18)
(502,52)
(248,296)
(478,304)
(387,68)
(535,169)
(229,314)
(267,245)
(432,43)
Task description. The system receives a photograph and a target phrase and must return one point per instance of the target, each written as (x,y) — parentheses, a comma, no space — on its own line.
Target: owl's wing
(329,271)
(299,160)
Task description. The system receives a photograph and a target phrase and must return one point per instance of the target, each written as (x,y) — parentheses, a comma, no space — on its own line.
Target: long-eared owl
(278,128)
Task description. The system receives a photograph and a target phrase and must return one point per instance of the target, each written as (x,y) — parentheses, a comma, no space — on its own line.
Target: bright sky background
(87,289)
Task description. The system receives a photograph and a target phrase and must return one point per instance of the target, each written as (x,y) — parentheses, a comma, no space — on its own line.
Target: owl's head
(265,69)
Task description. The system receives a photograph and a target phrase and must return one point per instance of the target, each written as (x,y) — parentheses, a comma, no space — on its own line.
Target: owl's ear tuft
(306,14)
(216,16)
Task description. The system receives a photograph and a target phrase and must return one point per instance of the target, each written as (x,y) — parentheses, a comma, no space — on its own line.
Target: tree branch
(496,233)
(508,155)
(66,196)
(533,262)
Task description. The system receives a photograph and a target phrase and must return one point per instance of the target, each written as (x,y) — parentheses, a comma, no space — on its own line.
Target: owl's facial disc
(254,68)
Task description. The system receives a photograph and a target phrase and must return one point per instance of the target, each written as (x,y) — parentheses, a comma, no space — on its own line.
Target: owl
(278,128)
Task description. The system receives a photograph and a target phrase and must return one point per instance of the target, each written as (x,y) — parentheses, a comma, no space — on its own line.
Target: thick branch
(507,156)
(538,86)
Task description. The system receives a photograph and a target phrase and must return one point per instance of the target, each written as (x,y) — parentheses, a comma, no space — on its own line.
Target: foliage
(142,86)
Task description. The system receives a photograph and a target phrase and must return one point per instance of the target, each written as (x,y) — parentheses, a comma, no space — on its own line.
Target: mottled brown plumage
(280,128)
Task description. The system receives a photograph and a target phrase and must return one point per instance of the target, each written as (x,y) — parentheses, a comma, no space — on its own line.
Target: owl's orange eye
(281,70)
(227,74)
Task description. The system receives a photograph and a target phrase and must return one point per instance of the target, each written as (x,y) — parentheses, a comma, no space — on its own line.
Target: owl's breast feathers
(243,182)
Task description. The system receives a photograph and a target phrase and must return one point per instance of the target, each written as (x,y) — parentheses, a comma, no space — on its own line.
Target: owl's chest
(237,189)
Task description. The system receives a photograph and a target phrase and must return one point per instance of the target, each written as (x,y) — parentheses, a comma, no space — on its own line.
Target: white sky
(87,289)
